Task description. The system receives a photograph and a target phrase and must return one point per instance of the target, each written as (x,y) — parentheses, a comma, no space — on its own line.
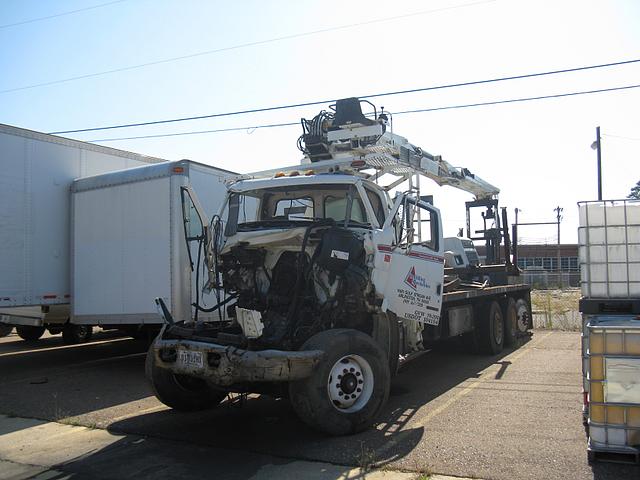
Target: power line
(32,20)
(319,102)
(525,99)
(243,45)
(620,136)
(199,132)
(435,109)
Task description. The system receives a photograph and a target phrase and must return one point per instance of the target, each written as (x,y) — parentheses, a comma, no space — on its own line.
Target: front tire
(348,389)
(180,392)
(29,333)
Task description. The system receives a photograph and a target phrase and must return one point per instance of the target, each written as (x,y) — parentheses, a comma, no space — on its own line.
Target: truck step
(610,305)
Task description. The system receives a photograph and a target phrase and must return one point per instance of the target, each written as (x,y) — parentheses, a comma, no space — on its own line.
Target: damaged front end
(226,365)
(289,278)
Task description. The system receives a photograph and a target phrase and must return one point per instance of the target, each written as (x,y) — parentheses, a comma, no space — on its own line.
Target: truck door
(197,235)
(416,263)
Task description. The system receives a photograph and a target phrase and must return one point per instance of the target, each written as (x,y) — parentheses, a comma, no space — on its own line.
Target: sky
(253,54)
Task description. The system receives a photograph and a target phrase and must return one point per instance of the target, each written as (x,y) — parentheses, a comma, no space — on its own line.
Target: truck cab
(308,264)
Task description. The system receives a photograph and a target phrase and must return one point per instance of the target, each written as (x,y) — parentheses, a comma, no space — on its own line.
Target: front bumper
(227,365)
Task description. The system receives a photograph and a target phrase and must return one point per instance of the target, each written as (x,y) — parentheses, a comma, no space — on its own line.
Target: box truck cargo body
(128,242)
(37,172)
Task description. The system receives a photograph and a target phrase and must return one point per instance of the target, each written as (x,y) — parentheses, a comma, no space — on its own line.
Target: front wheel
(345,393)
(180,392)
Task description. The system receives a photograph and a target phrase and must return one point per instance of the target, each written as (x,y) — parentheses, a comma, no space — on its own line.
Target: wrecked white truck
(325,284)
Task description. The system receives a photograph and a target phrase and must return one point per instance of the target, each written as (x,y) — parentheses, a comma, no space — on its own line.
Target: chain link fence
(554,303)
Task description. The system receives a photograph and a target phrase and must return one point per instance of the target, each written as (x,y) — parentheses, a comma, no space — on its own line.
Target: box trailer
(37,172)
(128,243)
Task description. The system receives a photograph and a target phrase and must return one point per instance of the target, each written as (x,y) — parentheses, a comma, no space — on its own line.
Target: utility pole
(599,150)
(558,211)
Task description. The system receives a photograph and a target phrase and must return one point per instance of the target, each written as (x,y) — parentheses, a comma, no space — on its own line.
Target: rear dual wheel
(517,320)
(492,329)
(523,314)
(510,322)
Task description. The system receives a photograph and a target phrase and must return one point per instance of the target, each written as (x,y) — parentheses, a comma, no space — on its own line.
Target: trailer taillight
(585,399)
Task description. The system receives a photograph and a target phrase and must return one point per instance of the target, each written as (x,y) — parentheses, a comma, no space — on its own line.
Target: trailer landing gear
(72,334)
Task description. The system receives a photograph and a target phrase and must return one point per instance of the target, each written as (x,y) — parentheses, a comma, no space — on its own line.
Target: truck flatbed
(458,295)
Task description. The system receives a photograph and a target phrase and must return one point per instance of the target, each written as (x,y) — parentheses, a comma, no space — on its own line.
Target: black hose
(198,266)
(215,307)
(301,274)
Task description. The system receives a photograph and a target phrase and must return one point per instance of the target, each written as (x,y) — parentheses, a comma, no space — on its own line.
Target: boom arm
(442,172)
(349,142)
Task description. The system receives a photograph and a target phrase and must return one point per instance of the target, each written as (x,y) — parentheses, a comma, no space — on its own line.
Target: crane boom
(349,142)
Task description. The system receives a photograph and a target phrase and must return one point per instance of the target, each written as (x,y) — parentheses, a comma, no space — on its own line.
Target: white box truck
(37,172)
(128,243)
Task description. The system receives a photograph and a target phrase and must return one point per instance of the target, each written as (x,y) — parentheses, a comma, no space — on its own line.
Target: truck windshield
(283,207)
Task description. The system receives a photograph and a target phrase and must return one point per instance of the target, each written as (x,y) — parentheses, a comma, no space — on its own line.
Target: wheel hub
(522,319)
(350,383)
(498,330)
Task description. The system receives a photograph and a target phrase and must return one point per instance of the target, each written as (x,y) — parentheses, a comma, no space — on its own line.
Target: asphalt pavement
(512,416)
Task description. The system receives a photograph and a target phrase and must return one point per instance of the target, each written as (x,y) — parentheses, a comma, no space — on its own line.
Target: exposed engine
(324,284)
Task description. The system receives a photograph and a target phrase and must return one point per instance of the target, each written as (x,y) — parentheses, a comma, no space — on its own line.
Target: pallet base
(629,457)
(596,306)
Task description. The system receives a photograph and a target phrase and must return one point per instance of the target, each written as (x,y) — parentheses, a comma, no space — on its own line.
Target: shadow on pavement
(270,426)
(133,457)
(51,381)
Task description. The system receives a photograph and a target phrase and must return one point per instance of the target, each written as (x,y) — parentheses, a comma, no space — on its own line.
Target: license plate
(189,358)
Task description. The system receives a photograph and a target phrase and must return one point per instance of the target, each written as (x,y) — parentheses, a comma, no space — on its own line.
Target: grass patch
(556,309)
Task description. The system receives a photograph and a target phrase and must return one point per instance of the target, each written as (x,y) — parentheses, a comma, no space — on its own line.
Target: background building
(539,264)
